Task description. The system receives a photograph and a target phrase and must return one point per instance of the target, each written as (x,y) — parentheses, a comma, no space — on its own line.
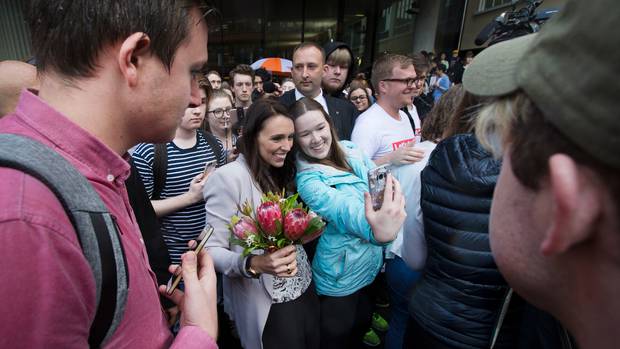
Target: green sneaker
(371,338)
(379,323)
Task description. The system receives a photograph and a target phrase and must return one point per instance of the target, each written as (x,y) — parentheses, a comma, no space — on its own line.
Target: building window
(490,4)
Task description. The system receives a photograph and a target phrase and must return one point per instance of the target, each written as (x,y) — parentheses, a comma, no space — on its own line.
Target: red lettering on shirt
(402,143)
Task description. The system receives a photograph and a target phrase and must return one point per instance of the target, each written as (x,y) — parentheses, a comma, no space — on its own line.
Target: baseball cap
(570,70)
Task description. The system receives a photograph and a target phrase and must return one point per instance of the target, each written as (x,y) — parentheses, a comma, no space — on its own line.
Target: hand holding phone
(376,184)
(199,244)
(386,222)
(209,167)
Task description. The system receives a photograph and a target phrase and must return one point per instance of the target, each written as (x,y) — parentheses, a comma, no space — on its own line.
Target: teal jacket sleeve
(343,209)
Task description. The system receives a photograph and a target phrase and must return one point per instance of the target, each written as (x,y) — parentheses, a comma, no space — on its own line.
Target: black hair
(68,36)
(267,177)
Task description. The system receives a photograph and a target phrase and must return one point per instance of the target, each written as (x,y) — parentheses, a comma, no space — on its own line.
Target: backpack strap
(406,111)
(160,169)
(95,226)
(213,143)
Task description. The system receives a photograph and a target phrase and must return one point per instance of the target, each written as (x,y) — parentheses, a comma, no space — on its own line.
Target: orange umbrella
(277,66)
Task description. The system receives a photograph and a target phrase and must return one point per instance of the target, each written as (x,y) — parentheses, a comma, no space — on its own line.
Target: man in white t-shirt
(383,131)
(385,134)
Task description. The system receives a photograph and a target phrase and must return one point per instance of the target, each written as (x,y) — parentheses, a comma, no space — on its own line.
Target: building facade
(250,30)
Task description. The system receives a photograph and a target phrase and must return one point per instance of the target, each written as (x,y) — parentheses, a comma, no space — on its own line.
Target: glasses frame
(221,112)
(409,82)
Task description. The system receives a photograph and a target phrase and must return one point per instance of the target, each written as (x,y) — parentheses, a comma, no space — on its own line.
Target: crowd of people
(498,227)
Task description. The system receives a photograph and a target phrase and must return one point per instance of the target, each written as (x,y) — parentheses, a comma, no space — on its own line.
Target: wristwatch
(248,268)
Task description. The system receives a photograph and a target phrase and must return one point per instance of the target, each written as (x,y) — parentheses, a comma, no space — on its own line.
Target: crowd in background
(501,197)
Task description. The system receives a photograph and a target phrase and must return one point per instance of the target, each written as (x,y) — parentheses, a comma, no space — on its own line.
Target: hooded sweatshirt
(331,47)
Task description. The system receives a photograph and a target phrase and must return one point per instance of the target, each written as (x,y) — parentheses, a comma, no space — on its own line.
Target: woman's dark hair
(267,177)
(465,115)
(336,157)
(436,122)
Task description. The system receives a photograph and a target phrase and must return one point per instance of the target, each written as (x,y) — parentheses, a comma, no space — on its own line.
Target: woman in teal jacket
(332,180)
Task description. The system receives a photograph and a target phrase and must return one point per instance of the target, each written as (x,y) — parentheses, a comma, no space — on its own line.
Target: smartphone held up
(209,168)
(377,178)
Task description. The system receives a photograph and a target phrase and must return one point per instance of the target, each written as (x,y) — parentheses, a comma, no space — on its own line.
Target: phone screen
(174,280)
(209,167)
(376,185)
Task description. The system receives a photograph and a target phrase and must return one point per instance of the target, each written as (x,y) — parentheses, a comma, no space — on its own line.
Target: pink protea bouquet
(276,223)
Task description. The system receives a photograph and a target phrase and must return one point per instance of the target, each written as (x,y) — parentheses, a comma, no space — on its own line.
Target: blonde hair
(383,67)
(340,56)
(495,121)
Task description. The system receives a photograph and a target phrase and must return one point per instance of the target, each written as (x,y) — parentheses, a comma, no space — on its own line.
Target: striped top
(183,165)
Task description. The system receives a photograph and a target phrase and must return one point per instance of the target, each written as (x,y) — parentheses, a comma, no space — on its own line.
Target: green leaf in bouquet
(314,225)
(283,242)
(248,250)
(247,209)
(279,227)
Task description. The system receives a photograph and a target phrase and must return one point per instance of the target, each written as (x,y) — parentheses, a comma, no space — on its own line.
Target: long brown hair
(336,157)
(436,123)
(267,177)
(465,115)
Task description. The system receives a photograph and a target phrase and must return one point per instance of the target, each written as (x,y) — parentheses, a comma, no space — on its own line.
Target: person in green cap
(555,217)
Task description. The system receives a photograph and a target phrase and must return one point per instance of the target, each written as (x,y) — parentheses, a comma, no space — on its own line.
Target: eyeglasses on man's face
(219,112)
(358,98)
(411,82)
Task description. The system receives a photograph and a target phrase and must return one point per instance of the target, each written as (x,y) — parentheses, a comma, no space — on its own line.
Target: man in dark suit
(308,65)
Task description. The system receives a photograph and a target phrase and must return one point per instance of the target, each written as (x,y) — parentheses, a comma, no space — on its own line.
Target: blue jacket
(347,255)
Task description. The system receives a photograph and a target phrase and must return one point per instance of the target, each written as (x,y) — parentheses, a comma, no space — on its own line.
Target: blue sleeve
(344,210)
(143,158)
(444,83)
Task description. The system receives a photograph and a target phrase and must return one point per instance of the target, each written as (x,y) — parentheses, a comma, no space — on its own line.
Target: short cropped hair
(517,121)
(340,57)
(308,44)
(241,69)
(420,63)
(68,36)
(384,65)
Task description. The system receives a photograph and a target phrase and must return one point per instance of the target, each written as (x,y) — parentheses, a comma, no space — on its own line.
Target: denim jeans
(400,279)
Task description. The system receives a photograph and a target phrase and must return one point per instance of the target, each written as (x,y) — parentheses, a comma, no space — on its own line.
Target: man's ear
(131,56)
(576,205)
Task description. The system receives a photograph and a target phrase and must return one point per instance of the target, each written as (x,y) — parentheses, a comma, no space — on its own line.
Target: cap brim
(493,71)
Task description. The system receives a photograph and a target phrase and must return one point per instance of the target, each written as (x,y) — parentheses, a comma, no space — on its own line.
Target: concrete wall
(425,30)
(475,20)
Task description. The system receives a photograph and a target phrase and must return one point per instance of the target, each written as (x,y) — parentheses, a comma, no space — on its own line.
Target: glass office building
(250,30)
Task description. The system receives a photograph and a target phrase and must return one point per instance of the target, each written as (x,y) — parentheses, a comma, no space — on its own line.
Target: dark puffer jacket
(460,294)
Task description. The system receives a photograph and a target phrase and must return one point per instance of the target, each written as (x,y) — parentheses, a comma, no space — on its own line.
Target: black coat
(460,294)
(342,112)
(156,249)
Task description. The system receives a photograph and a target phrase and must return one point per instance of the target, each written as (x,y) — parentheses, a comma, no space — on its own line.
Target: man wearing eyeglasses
(385,134)
(384,131)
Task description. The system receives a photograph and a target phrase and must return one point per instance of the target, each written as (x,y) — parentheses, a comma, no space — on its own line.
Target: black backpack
(95,226)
